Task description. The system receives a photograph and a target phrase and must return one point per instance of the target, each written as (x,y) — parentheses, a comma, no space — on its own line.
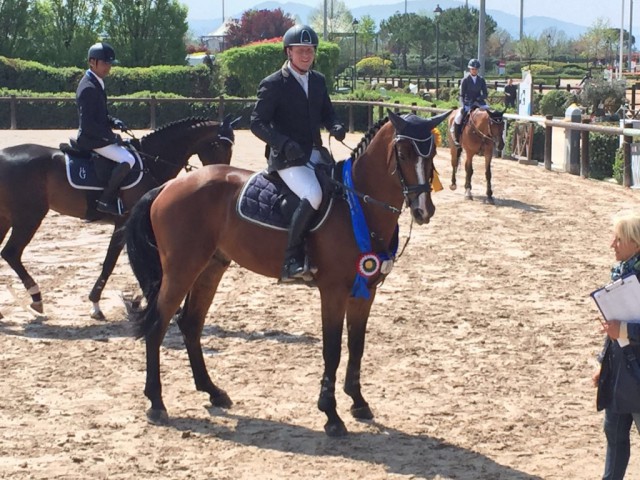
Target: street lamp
(354,25)
(436,14)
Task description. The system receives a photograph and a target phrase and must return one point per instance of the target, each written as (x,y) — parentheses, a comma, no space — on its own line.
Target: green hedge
(63,114)
(180,80)
(242,68)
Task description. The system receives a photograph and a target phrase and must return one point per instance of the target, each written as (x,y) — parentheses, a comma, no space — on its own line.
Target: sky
(581,12)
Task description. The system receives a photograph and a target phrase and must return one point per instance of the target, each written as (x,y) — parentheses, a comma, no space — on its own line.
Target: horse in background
(481,133)
(182,237)
(33,180)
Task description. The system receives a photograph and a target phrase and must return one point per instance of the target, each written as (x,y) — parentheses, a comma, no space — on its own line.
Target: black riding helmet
(300,35)
(102,51)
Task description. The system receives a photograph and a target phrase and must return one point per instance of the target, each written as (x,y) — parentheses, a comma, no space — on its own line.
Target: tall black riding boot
(293,267)
(457,130)
(107,202)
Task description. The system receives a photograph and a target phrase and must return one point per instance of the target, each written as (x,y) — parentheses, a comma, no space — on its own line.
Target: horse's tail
(144,259)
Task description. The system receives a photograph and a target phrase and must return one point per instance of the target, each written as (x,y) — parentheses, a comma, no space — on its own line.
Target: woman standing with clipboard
(618,379)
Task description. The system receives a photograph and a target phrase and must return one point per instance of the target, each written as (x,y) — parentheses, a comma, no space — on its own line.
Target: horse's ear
(438,119)
(397,121)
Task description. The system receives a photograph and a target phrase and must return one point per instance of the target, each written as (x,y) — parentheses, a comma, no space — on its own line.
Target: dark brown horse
(33,179)
(481,134)
(182,237)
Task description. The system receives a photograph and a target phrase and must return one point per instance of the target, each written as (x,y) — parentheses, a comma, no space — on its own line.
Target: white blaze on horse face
(422,198)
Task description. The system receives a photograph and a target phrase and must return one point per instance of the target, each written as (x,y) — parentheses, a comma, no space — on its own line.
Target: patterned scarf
(628,266)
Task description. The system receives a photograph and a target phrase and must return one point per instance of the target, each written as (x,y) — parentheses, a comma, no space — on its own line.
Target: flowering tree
(256,25)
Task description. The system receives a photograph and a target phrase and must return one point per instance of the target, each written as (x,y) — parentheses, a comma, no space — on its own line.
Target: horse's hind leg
(110,260)
(21,235)
(487,173)
(357,316)
(191,323)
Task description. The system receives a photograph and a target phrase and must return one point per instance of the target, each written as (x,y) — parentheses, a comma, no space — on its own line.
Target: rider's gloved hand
(338,132)
(119,124)
(292,150)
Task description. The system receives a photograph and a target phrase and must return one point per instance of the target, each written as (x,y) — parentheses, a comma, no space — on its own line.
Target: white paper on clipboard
(620,300)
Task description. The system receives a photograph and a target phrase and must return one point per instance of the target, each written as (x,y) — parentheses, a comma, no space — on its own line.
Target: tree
(15,17)
(399,34)
(595,39)
(460,27)
(339,19)
(424,34)
(366,35)
(64,31)
(528,48)
(146,32)
(255,25)
(499,43)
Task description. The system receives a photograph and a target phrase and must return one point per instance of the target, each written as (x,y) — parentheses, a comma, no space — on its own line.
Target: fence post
(12,105)
(414,104)
(626,175)
(152,112)
(351,121)
(221,107)
(584,151)
(396,109)
(548,137)
(634,87)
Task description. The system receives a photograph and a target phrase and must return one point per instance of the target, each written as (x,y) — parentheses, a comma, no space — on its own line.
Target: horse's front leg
(357,316)
(113,253)
(191,322)
(468,167)
(334,304)
(487,173)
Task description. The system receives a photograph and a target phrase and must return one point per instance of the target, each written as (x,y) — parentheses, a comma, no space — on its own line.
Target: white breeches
(458,118)
(117,154)
(303,182)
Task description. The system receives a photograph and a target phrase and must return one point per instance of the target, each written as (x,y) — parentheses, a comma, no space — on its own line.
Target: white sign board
(524,94)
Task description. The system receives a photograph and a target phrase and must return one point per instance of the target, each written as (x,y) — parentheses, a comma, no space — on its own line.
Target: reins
(406,191)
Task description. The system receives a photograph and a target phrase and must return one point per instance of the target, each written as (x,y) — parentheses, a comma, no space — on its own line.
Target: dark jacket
(473,92)
(617,390)
(95,123)
(510,94)
(284,112)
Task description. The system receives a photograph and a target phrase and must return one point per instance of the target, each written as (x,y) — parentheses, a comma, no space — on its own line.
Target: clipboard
(620,300)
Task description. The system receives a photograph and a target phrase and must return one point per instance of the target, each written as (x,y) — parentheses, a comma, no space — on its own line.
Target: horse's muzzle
(421,215)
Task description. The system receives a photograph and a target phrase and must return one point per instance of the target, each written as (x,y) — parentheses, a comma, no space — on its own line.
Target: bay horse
(481,134)
(182,237)
(33,179)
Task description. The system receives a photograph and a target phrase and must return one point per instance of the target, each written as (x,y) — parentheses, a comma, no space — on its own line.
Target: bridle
(491,137)
(418,189)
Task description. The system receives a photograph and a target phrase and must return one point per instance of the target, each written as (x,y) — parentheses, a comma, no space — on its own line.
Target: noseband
(420,145)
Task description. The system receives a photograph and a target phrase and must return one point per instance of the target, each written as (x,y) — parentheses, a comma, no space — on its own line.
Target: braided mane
(178,124)
(366,139)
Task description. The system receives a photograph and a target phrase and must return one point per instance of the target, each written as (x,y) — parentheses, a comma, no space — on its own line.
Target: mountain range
(532,26)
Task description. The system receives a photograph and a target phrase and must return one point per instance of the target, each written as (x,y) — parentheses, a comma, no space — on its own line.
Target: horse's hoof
(362,413)
(37,307)
(335,429)
(491,200)
(221,400)
(157,417)
(97,315)
(453,186)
